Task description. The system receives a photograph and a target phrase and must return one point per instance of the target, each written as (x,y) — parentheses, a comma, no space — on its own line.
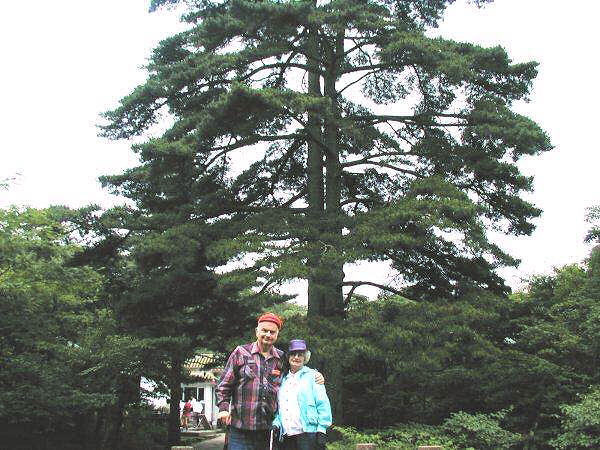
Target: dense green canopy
(74,343)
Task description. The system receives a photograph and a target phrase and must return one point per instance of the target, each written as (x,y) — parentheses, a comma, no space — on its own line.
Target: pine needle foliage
(343,132)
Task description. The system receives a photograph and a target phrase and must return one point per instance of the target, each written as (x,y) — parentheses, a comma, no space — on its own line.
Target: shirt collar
(301,371)
(272,353)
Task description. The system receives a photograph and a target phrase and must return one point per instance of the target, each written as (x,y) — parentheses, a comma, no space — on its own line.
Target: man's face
(266,333)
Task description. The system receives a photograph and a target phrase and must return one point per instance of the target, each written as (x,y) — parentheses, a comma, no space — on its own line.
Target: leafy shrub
(401,437)
(349,436)
(460,431)
(479,431)
(580,426)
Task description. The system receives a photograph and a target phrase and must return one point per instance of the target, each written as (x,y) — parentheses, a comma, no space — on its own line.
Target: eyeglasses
(298,354)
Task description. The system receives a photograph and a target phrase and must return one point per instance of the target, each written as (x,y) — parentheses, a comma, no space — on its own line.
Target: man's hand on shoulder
(319,378)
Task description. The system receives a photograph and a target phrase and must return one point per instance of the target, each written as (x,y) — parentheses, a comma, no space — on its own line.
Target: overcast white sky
(65,61)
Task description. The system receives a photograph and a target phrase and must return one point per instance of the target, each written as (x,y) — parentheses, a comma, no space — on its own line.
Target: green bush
(348,437)
(580,426)
(460,431)
(479,431)
(401,437)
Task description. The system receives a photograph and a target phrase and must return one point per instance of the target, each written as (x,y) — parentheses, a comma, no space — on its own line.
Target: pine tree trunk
(113,422)
(325,297)
(316,297)
(97,437)
(334,306)
(325,288)
(174,432)
(128,392)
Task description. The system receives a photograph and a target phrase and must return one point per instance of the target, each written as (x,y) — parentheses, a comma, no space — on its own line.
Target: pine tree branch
(290,201)
(367,161)
(376,118)
(269,283)
(282,162)
(349,296)
(286,205)
(362,77)
(293,54)
(370,283)
(245,77)
(309,134)
(359,46)
(421,87)
(399,136)
(254,139)
(301,50)
(351,200)
(266,209)
(280,78)
(380,155)
(283,65)
(370,67)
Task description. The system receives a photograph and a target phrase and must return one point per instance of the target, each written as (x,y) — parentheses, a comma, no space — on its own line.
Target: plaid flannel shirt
(250,383)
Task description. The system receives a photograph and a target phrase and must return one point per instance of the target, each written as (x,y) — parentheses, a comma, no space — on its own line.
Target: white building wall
(210,410)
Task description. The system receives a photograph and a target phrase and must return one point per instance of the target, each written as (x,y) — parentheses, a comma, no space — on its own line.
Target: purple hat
(297,345)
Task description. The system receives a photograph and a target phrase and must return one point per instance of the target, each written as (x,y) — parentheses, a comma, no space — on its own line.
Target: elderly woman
(304,411)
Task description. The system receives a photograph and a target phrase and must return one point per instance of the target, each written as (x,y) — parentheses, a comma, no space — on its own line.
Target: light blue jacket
(315,410)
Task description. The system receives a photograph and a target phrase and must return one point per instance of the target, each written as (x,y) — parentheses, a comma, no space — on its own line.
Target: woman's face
(296,360)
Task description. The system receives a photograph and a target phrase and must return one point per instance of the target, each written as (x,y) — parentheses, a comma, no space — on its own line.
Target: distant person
(196,410)
(304,412)
(199,417)
(247,389)
(186,414)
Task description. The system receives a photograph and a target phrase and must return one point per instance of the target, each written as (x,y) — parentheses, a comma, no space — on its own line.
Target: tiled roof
(204,366)
(202,361)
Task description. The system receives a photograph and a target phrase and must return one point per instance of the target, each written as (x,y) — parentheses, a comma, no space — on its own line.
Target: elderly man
(247,390)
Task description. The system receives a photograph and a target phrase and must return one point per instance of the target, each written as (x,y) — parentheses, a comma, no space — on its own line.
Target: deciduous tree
(46,307)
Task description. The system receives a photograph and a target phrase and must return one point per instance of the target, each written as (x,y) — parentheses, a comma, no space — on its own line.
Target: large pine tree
(343,132)
(159,274)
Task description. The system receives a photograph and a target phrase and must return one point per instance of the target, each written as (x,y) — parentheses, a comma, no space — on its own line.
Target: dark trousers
(302,441)
(247,439)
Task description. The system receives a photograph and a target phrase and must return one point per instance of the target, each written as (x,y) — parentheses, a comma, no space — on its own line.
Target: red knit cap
(270,317)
